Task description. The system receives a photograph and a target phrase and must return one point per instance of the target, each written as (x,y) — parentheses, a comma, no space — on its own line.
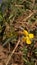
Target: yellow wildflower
(31,36)
(25,32)
(28,41)
(23,39)
(27,38)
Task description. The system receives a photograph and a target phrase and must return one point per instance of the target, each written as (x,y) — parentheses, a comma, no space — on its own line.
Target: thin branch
(19,5)
(31,14)
(10,56)
(28,17)
(9,48)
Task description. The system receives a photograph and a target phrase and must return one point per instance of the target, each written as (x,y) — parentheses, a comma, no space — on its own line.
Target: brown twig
(28,17)
(19,5)
(31,14)
(9,58)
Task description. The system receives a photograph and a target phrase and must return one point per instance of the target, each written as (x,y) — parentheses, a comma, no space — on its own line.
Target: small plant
(16,14)
(27,37)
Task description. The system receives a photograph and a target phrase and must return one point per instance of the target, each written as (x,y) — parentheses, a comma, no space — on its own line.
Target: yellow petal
(23,39)
(28,41)
(25,32)
(31,35)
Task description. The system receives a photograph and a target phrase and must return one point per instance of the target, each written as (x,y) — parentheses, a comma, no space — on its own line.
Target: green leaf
(1,18)
(8,40)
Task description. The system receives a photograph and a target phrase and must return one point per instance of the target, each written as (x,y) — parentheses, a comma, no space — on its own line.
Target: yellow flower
(25,32)
(31,36)
(23,39)
(27,38)
(28,41)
